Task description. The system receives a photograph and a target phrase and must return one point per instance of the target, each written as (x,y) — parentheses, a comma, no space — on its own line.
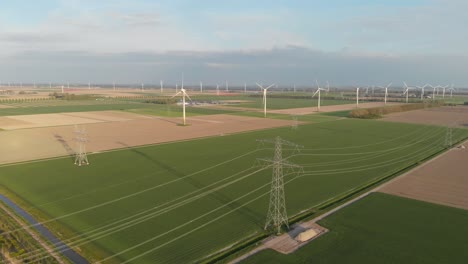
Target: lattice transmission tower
(277,215)
(295,123)
(81,138)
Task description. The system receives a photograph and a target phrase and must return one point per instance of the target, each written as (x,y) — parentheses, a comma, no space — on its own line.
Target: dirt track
(447,115)
(44,142)
(442,181)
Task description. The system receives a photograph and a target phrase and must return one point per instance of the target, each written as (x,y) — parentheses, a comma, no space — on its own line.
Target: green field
(180,202)
(383,228)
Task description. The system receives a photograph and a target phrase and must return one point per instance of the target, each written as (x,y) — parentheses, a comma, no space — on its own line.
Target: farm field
(383,228)
(204,195)
(442,181)
(456,116)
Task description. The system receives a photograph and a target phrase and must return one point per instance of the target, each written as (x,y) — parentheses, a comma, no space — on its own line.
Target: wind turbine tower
(201,87)
(161,83)
(357,97)
(422,90)
(264,97)
(406,91)
(318,92)
(386,92)
(227,86)
(184,94)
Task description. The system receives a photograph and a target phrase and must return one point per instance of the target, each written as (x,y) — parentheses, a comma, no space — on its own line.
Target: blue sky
(143,40)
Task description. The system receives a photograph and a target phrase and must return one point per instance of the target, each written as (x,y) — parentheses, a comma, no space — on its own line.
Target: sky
(348,42)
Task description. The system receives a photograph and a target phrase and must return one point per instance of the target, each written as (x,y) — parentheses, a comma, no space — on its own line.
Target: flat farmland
(456,116)
(181,202)
(442,181)
(51,135)
(383,228)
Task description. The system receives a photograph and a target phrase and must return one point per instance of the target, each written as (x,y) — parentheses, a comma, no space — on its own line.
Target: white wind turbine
(245,87)
(201,87)
(318,92)
(264,97)
(184,94)
(433,91)
(406,91)
(162,88)
(217,89)
(386,92)
(443,90)
(357,96)
(422,90)
(451,89)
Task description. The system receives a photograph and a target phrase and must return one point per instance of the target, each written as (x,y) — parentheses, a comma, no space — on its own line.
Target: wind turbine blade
(261,87)
(176,94)
(269,87)
(318,86)
(388,85)
(316,92)
(188,96)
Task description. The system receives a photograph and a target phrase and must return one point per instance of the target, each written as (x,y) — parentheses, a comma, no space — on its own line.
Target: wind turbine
(443,91)
(184,94)
(201,87)
(89,86)
(161,83)
(114,85)
(294,88)
(142,86)
(245,88)
(406,91)
(264,97)
(451,89)
(328,87)
(386,91)
(357,96)
(217,89)
(422,90)
(227,86)
(318,92)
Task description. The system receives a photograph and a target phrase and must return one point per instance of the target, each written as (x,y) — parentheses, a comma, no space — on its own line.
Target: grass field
(180,202)
(383,228)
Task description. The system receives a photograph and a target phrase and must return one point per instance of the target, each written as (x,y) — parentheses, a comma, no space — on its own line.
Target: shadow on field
(255,217)
(65,145)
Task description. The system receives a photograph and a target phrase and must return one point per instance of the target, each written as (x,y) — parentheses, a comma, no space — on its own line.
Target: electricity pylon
(448,137)
(277,215)
(295,123)
(81,137)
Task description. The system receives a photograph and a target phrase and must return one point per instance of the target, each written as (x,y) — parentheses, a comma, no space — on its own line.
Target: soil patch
(441,181)
(446,115)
